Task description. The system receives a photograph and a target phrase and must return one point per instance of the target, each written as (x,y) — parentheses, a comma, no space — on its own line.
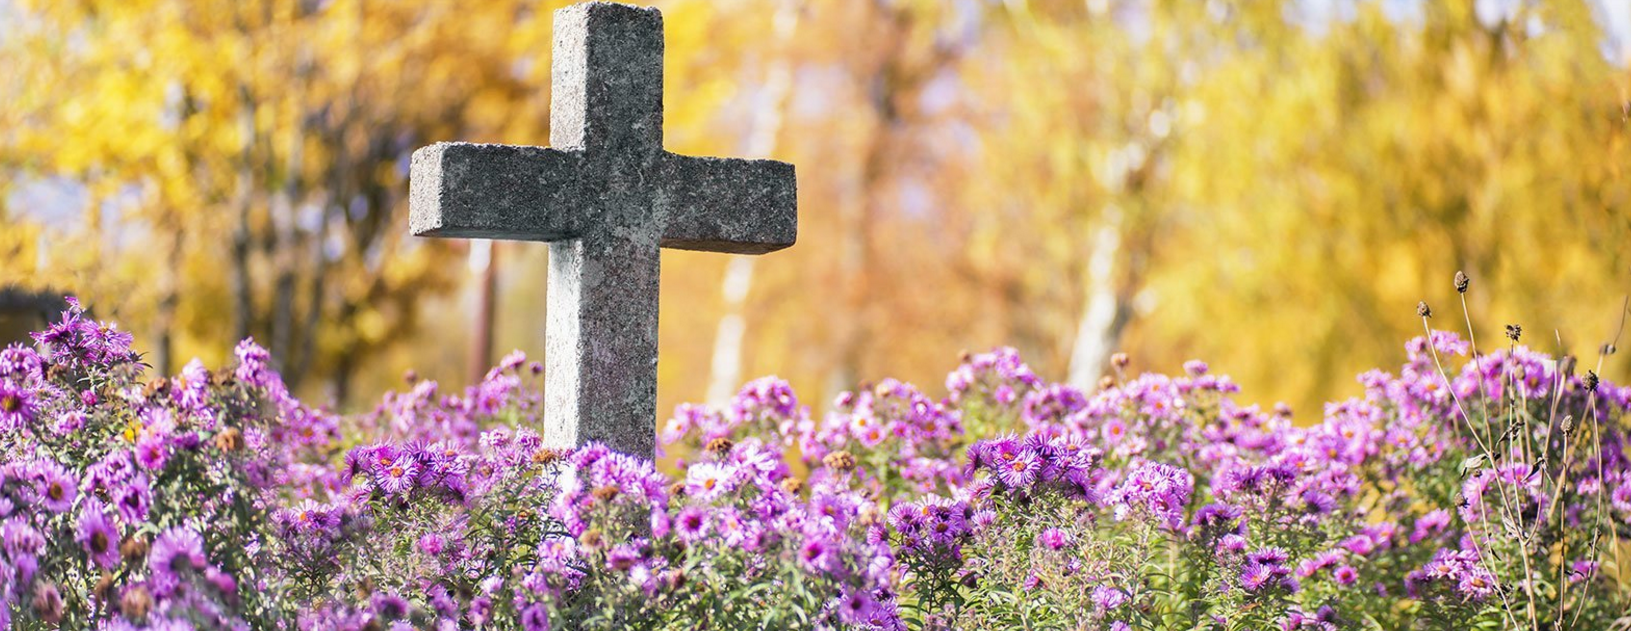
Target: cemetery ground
(1484,483)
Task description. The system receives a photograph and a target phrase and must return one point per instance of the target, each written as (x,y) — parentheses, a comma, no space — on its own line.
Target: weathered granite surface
(607,196)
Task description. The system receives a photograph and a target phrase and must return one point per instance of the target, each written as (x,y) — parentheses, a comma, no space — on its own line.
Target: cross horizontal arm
(731,205)
(459,189)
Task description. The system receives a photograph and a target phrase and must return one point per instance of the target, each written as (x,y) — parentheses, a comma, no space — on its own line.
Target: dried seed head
(839,461)
(1608,349)
(1461,282)
(792,485)
(134,550)
(1567,365)
(547,456)
(1282,409)
(1568,424)
(104,586)
(963,356)
(720,446)
(135,603)
(606,493)
(592,538)
(1120,360)
(677,489)
(1107,382)
(1423,310)
(1514,331)
(410,376)
(229,440)
(1591,381)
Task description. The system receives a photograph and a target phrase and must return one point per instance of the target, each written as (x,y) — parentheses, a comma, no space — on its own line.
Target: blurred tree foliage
(1270,186)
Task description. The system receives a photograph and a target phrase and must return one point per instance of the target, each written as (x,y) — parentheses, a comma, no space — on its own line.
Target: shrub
(1491,495)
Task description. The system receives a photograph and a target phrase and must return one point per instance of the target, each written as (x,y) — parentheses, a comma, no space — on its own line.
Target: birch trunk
(1098,332)
(726,368)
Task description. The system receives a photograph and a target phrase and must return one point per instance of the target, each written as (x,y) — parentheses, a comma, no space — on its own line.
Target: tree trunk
(165,323)
(727,363)
(760,142)
(1098,332)
(484,267)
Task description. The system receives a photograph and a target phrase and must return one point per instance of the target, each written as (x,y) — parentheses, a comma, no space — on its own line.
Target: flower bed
(1495,494)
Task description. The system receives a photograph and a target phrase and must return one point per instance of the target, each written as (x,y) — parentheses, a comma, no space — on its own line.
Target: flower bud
(1461,282)
(1423,310)
(1120,360)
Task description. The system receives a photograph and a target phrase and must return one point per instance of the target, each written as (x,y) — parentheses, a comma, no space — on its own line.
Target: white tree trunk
(1095,335)
(726,368)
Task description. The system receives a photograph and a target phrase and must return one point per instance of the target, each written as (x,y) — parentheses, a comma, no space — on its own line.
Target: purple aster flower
(1345,575)
(398,477)
(222,582)
(1021,471)
(432,544)
(624,556)
(134,499)
(1113,431)
(253,363)
(1476,584)
(19,539)
(153,451)
(1108,598)
(692,524)
(97,534)
(817,553)
(175,552)
(56,487)
(1582,570)
(856,607)
(708,480)
(389,606)
(1359,544)
(17,406)
(1161,490)
(1429,525)
(1054,538)
(535,618)
(20,363)
(1253,576)
(191,387)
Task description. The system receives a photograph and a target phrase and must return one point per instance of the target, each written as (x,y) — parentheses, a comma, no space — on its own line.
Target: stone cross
(607,197)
